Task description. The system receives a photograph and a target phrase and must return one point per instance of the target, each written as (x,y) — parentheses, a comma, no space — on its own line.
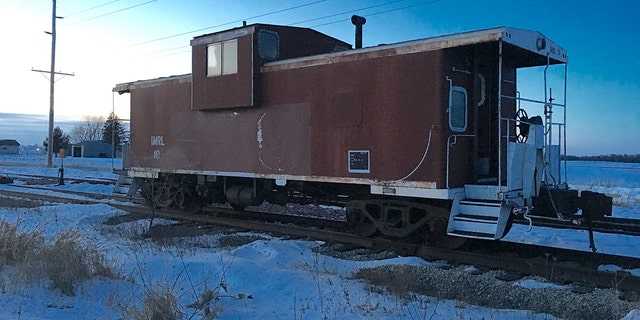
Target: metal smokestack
(358,21)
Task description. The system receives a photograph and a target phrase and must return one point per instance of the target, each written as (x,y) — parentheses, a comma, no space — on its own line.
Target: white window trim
(222,58)
(466,97)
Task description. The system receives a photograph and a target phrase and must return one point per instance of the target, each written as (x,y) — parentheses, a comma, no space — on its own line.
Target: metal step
(477,218)
(480,207)
(471,234)
(461,224)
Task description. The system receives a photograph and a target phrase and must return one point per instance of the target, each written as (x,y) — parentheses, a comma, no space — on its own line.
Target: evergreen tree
(60,141)
(113,129)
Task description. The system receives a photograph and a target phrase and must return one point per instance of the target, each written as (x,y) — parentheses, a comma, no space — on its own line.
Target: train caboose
(421,137)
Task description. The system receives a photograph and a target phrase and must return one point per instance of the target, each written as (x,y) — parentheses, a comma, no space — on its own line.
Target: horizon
(68,124)
(13,127)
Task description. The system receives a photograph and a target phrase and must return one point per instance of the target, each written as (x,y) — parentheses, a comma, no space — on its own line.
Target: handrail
(505,135)
(534,101)
(499,113)
(450,143)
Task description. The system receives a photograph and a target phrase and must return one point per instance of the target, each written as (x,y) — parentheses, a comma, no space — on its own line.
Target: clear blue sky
(105,42)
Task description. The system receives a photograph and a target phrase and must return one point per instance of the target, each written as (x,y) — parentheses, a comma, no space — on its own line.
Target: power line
(165,50)
(262,15)
(89,9)
(345,12)
(381,12)
(227,23)
(112,12)
(292,24)
(172,54)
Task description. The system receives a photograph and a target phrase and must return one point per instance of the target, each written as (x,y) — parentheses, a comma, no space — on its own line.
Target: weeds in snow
(70,262)
(162,301)
(66,262)
(159,302)
(18,247)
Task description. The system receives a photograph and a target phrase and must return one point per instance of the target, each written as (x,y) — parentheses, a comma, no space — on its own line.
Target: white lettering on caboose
(157,141)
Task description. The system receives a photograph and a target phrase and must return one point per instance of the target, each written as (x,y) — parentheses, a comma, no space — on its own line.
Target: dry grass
(159,303)
(69,262)
(66,262)
(18,247)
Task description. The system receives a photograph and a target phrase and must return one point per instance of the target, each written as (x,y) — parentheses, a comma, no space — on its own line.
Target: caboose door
(461,140)
(485,103)
(488,87)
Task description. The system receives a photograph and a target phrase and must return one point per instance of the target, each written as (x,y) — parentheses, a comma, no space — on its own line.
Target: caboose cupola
(226,64)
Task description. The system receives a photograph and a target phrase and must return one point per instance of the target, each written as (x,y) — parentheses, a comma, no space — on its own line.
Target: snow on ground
(267,277)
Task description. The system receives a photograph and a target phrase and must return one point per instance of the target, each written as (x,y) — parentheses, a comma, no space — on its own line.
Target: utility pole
(52,81)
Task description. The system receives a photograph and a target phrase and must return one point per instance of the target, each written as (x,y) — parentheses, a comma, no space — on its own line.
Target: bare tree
(90,129)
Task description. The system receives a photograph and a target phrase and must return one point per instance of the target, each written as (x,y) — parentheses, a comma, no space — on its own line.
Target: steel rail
(622,226)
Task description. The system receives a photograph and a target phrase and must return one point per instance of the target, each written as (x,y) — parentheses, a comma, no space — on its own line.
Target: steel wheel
(439,238)
(361,225)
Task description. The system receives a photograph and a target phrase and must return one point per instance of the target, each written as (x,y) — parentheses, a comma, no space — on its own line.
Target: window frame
(228,51)
(268,40)
(452,125)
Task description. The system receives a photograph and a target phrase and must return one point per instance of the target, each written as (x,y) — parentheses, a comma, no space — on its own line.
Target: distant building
(91,149)
(8,146)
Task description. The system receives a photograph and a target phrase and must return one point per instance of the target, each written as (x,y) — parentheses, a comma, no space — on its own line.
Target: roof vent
(358,21)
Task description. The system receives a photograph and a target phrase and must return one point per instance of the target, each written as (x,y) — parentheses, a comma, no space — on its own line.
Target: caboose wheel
(180,199)
(361,224)
(439,238)
(193,204)
(157,194)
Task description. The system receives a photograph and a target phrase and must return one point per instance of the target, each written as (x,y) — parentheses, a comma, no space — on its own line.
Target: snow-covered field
(265,277)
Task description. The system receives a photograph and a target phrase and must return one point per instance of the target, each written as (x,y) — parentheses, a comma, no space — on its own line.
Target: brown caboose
(420,136)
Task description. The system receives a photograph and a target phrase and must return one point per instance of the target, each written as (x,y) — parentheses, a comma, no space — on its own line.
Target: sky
(105,42)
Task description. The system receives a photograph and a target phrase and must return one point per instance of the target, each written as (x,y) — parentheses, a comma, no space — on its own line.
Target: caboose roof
(532,44)
(252,28)
(149,83)
(532,48)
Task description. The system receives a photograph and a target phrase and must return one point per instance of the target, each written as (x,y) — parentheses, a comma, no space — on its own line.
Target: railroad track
(607,225)
(60,198)
(133,205)
(54,180)
(558,265)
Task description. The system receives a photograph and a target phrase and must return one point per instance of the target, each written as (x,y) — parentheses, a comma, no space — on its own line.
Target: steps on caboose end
(476,218)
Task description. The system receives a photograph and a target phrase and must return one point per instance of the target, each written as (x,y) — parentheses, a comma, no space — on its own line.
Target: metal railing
(453,139)
(548,105)
(554,133)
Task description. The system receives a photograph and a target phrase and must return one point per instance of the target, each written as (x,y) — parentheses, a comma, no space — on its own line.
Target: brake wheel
(522,126)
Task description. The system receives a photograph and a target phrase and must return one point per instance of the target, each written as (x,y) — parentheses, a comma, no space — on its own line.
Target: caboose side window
(222,58)
(268,45)
(458,109)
